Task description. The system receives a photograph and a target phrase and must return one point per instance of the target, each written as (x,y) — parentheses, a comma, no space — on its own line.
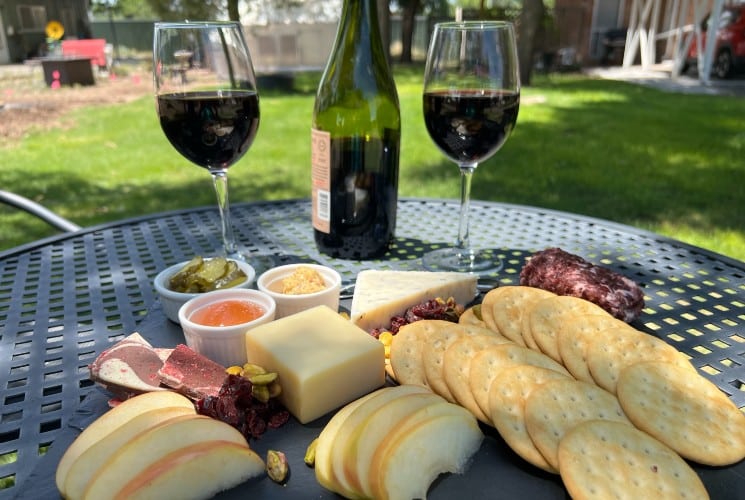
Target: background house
(22,24)
(584,27)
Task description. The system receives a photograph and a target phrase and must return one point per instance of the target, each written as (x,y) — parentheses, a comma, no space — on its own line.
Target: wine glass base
(462,260)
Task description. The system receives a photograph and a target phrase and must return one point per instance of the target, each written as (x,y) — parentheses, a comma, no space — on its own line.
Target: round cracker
(684,410)
(604,459)
(555,407)
(572,339)
(457,366)
(612,350)
(407,347)
(439,336)
(503,309)
(487,314)
(472,316)
(507,396)
(489,363)
(545,317)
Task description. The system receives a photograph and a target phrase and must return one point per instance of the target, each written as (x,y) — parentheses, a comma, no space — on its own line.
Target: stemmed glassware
(471,101)
(207,102)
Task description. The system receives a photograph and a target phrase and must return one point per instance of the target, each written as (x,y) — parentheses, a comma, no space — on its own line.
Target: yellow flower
(54,30)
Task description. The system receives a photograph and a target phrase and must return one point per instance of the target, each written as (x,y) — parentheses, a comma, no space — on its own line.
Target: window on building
(32,17)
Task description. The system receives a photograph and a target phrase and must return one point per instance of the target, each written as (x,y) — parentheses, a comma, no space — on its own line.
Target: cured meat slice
(192,374)
(564,273)
(128,368)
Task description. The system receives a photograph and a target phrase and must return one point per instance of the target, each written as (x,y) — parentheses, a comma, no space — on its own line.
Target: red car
(729,54)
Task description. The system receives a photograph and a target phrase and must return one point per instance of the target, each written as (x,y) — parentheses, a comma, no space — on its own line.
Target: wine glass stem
(466,173)
(220,182)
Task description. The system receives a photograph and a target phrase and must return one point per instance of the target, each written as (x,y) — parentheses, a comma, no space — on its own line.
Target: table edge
(26,247)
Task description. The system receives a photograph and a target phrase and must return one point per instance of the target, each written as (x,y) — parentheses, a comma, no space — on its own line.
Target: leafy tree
(179,10)
(166,10)
(531,19)
(408,20)
(123,9)
(233,13)
(409,10)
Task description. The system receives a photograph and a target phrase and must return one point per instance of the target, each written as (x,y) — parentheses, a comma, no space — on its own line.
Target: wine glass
(207,102)
(471,100)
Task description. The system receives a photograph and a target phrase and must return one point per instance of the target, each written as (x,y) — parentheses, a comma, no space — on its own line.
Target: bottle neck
(359,22)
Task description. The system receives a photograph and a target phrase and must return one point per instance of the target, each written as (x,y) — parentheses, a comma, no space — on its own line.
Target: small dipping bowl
(223,344)
(172,301)
(270,282)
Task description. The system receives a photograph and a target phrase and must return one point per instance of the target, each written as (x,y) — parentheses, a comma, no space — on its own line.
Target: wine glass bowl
(207,101)
(471,100)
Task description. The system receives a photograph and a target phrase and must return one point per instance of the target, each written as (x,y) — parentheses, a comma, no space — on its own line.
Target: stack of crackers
(572,390)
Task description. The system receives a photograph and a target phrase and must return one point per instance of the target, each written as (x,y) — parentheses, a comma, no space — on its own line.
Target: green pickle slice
(203,275)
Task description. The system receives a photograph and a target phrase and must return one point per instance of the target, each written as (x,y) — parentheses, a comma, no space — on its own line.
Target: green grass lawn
(668,163)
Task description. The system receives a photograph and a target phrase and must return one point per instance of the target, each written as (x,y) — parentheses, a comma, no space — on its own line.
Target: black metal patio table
(65,299)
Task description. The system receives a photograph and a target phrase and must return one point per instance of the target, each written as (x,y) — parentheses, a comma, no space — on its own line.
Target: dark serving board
(495,472)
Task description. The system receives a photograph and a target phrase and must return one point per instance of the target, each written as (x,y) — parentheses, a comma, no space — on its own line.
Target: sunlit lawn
(669,163)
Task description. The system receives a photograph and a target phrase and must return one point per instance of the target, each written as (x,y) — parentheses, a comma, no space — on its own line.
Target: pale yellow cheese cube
(323,360)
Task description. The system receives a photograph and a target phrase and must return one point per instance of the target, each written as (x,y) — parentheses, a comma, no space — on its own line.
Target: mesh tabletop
(65,299)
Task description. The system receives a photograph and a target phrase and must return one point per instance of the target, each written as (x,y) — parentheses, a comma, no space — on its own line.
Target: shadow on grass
(645,164)
(604,149)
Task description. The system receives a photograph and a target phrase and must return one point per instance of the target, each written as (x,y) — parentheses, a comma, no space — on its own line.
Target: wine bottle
(355,138)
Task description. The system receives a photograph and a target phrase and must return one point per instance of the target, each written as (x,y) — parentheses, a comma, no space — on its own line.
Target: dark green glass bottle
(356,134)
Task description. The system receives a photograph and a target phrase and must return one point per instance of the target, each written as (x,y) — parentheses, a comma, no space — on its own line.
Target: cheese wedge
(323,361)
(380,295)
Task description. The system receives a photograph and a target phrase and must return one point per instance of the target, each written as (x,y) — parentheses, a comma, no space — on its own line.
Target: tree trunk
(384,22)
(233,13)
(408,20)
(530,22)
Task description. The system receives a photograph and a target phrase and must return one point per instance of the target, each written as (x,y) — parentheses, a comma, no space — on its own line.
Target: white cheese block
(323,360)
(380,295)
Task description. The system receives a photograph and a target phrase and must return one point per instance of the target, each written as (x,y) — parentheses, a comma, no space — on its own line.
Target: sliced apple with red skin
(421,449)
(373,431)
(152,445)
(347,432)
(87,464)
(110,421)
(200,470)
(325,442)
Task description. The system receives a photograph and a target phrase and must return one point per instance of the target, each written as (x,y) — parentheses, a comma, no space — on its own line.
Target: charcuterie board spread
(408,393)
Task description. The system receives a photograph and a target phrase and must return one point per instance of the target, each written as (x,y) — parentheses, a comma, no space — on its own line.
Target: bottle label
(320,158)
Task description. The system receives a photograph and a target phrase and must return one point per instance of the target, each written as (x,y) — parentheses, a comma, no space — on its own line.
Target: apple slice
(374,431)
(110,421)
(352,423)
(202,469)
(432,441)
(325,442)
(152,445)
(87,464)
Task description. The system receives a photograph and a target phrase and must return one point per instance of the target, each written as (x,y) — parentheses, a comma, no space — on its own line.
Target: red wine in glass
(211,129)
(470,125)
(471,100)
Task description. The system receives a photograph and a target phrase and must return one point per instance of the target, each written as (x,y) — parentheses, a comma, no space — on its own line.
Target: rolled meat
(564,273)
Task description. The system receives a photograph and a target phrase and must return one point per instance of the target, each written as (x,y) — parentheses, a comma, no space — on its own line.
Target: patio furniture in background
(38,210)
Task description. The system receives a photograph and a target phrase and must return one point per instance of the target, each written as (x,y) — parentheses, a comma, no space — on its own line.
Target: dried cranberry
(206,406)
(235,405)
(256,424)
(397,322)
(278,419)
(228,412)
